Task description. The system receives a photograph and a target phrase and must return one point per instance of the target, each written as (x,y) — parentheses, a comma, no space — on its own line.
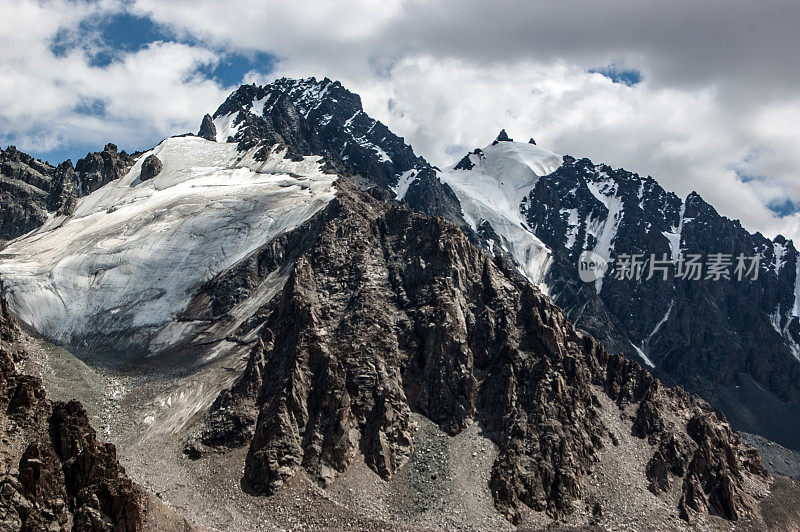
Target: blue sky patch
(105,39)
(617,74)
(91,106)
(783,208)
(233,66)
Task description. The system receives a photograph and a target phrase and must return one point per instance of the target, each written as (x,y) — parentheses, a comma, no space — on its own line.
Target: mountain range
(293,290)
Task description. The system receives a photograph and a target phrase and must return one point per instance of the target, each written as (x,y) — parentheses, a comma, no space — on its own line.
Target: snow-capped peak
(517,164)
(491,184)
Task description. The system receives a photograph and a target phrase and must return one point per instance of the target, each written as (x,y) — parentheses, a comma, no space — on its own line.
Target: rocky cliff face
(32,188)
(54,473)
(741,355)
(99,168)
(389,312)
(24,182)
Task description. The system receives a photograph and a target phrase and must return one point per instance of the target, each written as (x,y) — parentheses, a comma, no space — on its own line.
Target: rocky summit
(324,118)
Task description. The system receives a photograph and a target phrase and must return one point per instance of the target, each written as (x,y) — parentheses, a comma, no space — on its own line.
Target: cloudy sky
(701,95)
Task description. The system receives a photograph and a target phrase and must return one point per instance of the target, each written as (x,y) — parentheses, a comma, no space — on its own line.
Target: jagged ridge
(32,188)
(323,118)
(746,338)
(391,312)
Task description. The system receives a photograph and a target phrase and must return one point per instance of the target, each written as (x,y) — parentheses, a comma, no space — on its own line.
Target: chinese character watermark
(689,267)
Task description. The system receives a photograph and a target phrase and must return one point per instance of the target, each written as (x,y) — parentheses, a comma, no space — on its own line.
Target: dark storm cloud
(754,45)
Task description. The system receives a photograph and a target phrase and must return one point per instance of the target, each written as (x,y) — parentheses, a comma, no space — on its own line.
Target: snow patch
(796,306)
(604,230)
(573,221)
(674,236)
(775,319)
(643,356)
(657,328)
(780,253)
(405,180)
(364,143)
(225,126)
(493,190)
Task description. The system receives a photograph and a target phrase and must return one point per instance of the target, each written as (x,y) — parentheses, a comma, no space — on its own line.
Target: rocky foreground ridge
(387,312)
(54,473)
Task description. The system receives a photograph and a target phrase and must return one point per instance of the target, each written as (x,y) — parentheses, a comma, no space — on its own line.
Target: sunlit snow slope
(134,252)
(491,184)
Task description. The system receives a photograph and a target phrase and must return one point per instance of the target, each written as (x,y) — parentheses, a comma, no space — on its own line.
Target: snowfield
(493,191)
(134,253)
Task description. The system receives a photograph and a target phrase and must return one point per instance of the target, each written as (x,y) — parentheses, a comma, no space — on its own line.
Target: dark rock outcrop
(99,492)
(208,130)
(30,189)
(390,312)
(24,182)
(8,325)
(99,168)
(63,196)
(502,137)
(53,470)
(151,167)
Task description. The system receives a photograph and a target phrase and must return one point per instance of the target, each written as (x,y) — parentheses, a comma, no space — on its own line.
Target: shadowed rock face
(30,188)
(53,470)
(727,340)
(389,312)
(208,130)
(151,167)
(99,168)
(24,182)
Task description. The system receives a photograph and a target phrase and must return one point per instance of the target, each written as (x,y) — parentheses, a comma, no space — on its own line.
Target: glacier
(132,255)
